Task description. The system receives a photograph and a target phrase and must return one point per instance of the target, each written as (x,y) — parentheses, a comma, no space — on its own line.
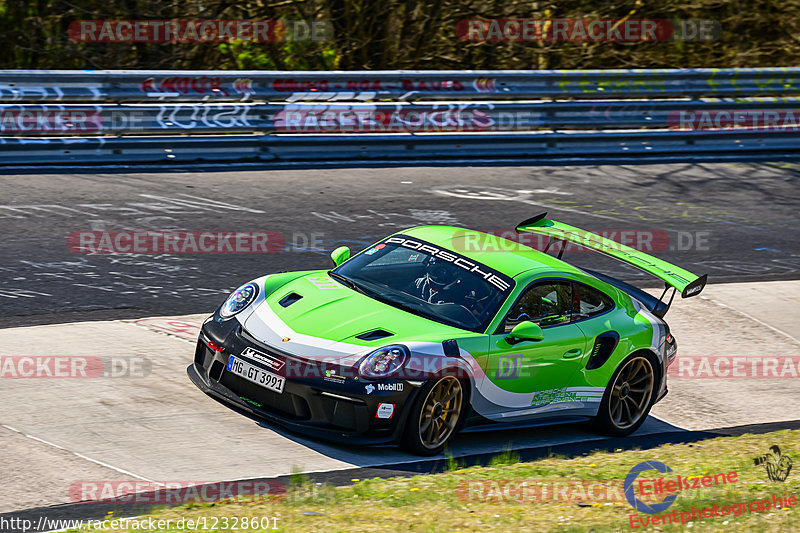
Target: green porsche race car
(439,329)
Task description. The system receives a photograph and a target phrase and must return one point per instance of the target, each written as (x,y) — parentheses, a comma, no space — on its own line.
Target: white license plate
(255,374)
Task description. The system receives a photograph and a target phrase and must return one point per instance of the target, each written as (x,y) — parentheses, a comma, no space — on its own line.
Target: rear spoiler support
(661,308)
(550,241)
(682,280)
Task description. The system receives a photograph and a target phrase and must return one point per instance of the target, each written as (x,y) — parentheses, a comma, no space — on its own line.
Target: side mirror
(340,255)
(525,331)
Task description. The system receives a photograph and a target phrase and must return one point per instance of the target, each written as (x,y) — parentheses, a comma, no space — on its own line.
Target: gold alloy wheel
(631,393)
(440,412)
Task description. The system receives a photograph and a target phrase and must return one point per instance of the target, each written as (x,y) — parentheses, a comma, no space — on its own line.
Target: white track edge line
(85,457)
(754,319)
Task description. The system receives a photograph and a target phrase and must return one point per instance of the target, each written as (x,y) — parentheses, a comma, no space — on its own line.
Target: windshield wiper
(347,281)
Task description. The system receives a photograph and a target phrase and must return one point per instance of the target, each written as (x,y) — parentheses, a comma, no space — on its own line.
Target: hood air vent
(374,335)
(289,299)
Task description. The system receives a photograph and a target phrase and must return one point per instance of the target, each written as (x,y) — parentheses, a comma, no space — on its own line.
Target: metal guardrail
(219,86)
(417,148)
(51,117)
(326,118)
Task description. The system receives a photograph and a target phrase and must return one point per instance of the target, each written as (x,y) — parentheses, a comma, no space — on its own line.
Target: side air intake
(604,345)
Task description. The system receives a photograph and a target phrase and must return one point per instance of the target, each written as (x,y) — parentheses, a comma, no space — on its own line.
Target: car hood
(315,316)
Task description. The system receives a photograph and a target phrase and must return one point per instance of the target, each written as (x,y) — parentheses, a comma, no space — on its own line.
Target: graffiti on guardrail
(613,83)
(119,86)
(629,123)
(292,85)
(195,115)
(367,89)
(646,82)
(60,143)
(711,114)
(374,119)
(205,85)
(21,92)
(31,120)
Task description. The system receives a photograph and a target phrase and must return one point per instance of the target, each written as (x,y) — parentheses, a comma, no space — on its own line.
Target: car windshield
(428,281)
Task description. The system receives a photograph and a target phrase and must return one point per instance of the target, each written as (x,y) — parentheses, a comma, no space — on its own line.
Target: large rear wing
(682,280)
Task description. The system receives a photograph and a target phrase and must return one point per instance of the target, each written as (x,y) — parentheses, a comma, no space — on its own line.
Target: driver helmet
(440,277)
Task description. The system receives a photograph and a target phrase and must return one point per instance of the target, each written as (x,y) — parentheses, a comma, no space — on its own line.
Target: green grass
(432,502)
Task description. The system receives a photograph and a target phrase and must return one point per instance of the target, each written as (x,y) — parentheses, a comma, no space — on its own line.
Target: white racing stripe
(494,397)
(659,331)
(266,326)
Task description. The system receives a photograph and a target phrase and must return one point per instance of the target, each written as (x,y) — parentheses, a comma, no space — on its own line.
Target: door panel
(530,373)
(531,366)
(521,377)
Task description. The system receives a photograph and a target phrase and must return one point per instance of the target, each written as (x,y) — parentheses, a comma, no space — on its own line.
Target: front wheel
(435,416)
(628,397)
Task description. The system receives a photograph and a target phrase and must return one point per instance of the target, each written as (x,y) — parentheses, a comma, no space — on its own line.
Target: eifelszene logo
(638,504)
(651,489)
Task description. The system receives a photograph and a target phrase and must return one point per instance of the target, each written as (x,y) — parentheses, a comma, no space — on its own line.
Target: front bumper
(341,406)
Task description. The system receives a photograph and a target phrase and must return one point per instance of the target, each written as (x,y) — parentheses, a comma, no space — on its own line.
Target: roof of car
(508,256)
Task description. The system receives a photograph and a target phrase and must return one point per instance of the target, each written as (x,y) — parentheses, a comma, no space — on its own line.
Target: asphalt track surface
(734,221)
(737,222)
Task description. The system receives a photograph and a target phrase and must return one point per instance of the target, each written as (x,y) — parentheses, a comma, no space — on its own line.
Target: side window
(592,302)
(547,304)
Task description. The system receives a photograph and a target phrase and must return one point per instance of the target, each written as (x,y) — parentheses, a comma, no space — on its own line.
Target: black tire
(425,418)
(623,408)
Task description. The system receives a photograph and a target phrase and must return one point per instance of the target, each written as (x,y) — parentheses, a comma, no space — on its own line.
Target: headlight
(239,300)
(384,362)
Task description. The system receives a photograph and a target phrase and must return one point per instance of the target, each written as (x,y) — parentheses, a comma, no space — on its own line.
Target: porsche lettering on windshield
(450,257)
